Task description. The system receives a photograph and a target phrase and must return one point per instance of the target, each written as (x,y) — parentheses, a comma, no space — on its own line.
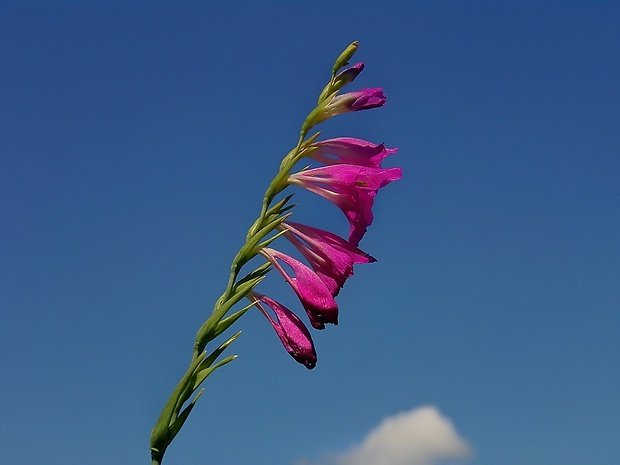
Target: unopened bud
(343,59)
(340,80)
(346,76)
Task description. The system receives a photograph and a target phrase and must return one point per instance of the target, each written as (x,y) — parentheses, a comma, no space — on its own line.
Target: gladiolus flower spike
(350,176)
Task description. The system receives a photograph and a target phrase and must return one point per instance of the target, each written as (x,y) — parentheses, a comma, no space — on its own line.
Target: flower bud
(341,80)
(346,76)
(345,56)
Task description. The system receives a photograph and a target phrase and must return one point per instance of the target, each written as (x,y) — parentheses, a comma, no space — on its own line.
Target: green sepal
(196,378)
(312,138)
(327,90)
(306,152)
(248,251)
(274,220)
(337,85)
(241,290)
(316,115)
(176,426)
(287,208)
(277,221)
(228,321)
(207,331)
(258,272)
(307,147)
(278,208)
(270,240)
(207,362)
(200,377)
(245,285)
(283,164)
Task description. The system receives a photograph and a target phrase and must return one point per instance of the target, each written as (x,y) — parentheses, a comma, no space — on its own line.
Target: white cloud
(422,436)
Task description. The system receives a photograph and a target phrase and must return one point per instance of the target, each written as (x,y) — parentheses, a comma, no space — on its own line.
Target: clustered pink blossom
(350,178)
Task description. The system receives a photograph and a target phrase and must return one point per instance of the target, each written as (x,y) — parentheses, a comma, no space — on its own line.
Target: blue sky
(136,140)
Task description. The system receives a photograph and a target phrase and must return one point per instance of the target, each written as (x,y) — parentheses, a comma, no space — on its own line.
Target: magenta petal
(368,98)
(364,99)
(292,332)
(350,150)
(349,74)
(351,187)
(331,256)
(312,292)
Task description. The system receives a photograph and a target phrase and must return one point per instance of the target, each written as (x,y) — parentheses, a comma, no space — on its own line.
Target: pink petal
(349,74)
(351,187)
(292,332)
(350,150)
(363,99)
(331,256)
(312,292)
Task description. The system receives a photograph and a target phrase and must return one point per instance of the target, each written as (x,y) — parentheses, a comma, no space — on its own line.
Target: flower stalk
(350,163)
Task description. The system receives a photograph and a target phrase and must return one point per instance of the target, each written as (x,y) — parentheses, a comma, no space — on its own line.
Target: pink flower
(331,256)
(364,99)
(351,187)
(350,150)
(351,101)
(292,332)
(312,292)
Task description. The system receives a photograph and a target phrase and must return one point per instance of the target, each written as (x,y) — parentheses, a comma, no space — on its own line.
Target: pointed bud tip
(345,56)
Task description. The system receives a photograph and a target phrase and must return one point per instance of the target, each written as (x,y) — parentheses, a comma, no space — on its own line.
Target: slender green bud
(343,59)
